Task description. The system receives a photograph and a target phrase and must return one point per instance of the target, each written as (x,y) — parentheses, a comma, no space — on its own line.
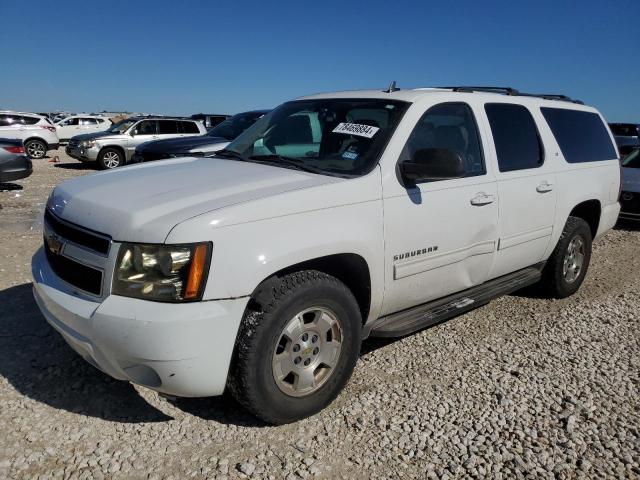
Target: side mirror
(432,164)
(132,132)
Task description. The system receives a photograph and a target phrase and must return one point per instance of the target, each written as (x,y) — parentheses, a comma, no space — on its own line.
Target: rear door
(526,187)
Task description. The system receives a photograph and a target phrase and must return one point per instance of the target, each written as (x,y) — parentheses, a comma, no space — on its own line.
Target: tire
(557,279)
(35,149)
(110,158)
(262,344)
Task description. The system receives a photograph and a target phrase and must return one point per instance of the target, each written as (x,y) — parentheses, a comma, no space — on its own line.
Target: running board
(416,318)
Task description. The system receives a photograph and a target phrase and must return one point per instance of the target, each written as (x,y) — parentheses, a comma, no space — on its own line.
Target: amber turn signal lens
(196,272)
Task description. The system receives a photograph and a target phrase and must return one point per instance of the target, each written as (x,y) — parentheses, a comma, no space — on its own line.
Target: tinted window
(189,127)
(5,120)
(147,127)
(70,121)
(515,137)
(581,136)
(632,160)
(168,127)
(449,126)
(624,129)
(234,126)
(30,120)
(87,121)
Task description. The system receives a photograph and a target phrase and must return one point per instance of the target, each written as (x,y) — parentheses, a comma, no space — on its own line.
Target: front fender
(245,254)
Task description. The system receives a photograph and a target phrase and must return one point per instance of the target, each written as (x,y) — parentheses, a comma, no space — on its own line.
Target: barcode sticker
(356,129)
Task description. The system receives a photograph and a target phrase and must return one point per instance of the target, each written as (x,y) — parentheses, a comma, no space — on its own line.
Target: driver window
(70,121)
(448,126)
(147,127)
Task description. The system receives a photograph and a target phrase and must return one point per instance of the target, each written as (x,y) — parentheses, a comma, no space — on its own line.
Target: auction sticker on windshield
(356,129)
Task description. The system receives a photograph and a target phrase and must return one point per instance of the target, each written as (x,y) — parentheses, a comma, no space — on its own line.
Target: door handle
(482,199)
(544,187)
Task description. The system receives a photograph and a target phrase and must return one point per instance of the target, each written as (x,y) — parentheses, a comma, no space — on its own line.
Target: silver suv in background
(36,132)
(115,146)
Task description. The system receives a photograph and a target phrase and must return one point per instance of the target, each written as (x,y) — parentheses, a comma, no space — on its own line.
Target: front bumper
(630,205)
(82,154)
(15,168)
(178,349)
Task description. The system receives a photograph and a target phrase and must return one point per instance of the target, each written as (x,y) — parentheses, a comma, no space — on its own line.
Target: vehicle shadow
(37,362)
(628,225)
(9,187)
(73,166)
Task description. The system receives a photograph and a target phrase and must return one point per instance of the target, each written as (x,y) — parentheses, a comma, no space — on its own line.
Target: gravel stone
(524,387)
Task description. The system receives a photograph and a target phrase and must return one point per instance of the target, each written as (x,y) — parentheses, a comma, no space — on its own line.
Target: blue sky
(182,57)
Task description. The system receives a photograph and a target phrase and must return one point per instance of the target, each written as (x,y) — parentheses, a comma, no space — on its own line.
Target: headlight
(88,143)
(164,273)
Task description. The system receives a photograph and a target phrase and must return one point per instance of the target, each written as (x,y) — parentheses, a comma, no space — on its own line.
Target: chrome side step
(416,318)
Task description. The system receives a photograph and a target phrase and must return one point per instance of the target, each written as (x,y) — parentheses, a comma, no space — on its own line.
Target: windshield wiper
(225,153)
(288,162)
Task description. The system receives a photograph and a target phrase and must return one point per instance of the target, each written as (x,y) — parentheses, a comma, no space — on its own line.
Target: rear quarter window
(189,127)
(581,136)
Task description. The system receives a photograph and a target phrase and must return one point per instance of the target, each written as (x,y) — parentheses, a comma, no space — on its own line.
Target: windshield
(122,126)
(632,160)
(234,126)
(342,137)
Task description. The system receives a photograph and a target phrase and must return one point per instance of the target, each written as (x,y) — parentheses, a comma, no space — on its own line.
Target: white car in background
(36,132)
(79,124)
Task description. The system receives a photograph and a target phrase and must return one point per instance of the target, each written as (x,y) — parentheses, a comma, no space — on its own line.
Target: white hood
(143,203)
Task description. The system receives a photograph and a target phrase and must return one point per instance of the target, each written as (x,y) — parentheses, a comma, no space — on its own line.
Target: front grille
(92,240)
(74,273)
(630,202)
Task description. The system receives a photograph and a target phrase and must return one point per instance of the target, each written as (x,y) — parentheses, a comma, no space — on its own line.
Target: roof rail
(504,90)
(513,92)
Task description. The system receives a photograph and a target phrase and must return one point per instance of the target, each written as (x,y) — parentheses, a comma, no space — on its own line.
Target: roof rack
(504,90)
(513,92)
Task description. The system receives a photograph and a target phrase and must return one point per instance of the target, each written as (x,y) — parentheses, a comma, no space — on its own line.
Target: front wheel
(297,348)
(567,266)
(110,158)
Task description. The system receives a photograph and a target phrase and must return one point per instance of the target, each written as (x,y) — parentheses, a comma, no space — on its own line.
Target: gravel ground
(523,387)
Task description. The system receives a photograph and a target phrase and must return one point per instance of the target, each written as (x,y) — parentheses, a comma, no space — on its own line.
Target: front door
(440,236)
(144,131)
(525,188)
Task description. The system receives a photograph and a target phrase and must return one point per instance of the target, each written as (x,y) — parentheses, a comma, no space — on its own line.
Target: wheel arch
(350,268)
(40,139)
(590,211)
(114,147)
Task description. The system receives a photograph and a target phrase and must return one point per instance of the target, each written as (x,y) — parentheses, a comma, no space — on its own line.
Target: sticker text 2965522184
(356,129)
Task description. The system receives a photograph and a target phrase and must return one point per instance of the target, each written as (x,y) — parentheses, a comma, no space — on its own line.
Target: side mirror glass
(431,164)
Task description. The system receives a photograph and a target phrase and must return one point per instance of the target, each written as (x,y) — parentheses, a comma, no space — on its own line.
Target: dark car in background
(210,120)
(14,163)
(214,140)
(627,136)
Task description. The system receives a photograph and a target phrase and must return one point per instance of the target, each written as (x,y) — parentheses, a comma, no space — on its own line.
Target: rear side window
(168,127)
(581,136)
(5,120)
(189,127)
(30,120)
(515,136)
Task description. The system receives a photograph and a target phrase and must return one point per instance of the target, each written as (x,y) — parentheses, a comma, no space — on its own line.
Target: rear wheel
(35,148)
(567,266)
(110,158)
(297,349)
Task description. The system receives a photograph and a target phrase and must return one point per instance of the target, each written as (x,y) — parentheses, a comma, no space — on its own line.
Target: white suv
(333,218)
(36,132)
(79,124)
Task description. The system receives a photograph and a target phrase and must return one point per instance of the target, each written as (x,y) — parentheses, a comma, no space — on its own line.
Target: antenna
(392,87)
